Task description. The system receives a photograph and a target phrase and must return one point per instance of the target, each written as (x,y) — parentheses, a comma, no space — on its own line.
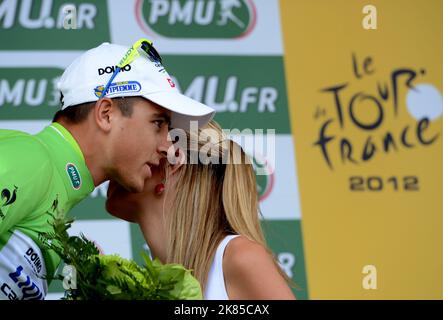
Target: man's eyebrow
(165,117)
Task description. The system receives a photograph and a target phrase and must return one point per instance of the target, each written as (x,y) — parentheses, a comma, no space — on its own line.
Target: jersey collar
(69,160)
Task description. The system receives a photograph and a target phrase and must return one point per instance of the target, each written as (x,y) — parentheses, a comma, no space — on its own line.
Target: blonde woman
(205,217)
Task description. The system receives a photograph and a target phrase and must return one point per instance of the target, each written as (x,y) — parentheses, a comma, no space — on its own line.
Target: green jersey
(41,176)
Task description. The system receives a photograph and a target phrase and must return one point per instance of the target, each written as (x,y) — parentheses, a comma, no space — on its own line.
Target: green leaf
(110,277)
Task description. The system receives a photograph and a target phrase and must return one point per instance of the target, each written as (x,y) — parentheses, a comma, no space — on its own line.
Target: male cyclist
(113,124)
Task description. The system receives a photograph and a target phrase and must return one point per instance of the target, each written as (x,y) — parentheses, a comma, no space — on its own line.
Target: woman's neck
(152,225)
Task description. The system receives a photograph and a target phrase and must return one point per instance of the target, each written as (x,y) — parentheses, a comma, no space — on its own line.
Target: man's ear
(103,113)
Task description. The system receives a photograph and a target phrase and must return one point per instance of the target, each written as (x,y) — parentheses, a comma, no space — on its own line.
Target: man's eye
(158,123)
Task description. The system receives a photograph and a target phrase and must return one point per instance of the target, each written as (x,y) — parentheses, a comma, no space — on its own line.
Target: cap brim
(184,109)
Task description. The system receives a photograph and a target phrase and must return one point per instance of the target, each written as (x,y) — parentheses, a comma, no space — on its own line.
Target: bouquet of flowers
(110,277)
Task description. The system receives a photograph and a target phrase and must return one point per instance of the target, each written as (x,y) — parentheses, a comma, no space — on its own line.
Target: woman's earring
(159,188)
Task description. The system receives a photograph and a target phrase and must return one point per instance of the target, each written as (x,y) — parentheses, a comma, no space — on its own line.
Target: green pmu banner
(39,25)
(247,92)
(29,93)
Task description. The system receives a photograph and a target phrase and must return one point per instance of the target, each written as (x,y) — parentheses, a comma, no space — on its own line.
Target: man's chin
(120,214)
(132,186)
(136,188)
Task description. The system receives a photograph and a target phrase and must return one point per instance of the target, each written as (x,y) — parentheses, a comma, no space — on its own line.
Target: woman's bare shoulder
(242,251)
(250,272)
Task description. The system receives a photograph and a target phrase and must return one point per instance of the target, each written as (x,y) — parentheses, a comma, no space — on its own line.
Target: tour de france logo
(403,110)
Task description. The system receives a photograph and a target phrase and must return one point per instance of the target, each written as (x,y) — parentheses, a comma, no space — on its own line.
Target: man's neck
(90,147)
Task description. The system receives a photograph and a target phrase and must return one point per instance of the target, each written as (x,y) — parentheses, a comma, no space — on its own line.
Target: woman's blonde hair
(211,201)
